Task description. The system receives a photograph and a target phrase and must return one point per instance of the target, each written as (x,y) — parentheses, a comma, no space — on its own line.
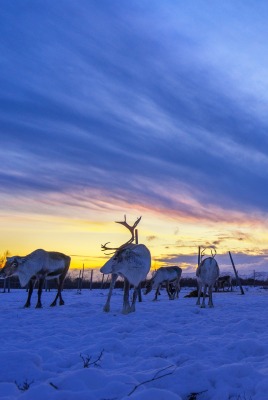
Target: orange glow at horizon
(79,229)
(165,236)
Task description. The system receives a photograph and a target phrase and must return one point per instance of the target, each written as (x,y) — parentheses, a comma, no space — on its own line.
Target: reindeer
(130,261)
(223,281)
(40,265)
(207,273)
(170,276)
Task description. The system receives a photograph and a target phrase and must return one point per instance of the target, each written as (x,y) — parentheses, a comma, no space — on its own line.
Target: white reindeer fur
(133,263)
(38,266)
(207,274)
(165,275)
(30,265)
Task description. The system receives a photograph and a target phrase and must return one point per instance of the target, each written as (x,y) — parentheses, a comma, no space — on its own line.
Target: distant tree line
(103,282)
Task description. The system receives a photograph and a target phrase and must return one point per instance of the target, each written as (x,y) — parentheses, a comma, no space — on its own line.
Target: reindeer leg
(60,282)
(210,302)
(134,298)
(168,290)
(61,303)
(199,294)
(30,292)
(126,305)
(156,293)
(40,288)
(58,295)
(54,302)
(203,305)
(173,290)
(178,289)
(106,307)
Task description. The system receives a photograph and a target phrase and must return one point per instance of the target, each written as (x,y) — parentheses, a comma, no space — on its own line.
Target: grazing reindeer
(223,281)
(168,276)
(207,273)
(130,261)
(39,266)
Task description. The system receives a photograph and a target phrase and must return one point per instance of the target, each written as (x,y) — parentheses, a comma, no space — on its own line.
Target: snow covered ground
(166,350)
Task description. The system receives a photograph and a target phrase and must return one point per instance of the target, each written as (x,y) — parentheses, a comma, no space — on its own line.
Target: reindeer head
(148,287)
(11,266)
(121,257)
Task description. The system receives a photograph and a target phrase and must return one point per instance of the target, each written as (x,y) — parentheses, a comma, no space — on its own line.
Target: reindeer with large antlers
(130,261)
(207,274)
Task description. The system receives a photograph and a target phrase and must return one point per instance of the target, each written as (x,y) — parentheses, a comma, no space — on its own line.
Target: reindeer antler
(212,249)
(202,252)
(104,247)
(215,252)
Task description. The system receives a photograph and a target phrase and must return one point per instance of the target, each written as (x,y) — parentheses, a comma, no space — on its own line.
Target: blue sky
(147,108)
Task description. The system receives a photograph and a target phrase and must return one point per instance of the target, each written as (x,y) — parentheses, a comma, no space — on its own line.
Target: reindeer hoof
(126,310)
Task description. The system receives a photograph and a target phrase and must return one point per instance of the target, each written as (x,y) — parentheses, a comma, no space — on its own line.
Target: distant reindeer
(207,274)
(39,266)
(130,261)
(169,276)
(222,282)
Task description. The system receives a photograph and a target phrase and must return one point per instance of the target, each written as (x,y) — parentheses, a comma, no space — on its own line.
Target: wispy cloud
(107,105)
